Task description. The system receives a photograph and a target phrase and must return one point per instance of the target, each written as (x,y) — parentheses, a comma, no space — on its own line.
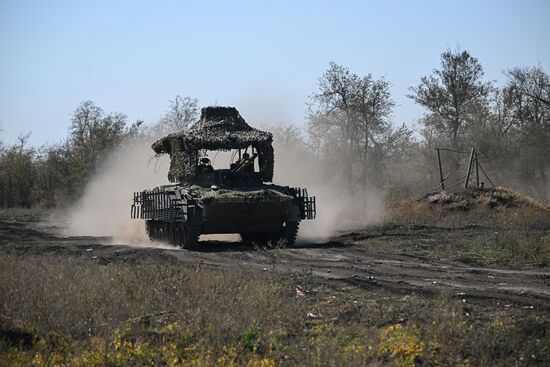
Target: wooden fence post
(440,170)
(472,152)
(477,171)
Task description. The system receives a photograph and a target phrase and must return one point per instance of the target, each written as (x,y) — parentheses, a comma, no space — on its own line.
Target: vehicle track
(338,260)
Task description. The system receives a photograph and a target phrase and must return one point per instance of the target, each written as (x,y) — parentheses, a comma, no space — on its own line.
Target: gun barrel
(243,163)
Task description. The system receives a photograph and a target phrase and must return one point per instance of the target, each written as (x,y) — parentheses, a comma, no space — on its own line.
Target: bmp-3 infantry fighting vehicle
(237,199)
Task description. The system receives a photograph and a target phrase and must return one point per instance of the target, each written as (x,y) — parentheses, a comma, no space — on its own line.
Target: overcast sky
(265,59)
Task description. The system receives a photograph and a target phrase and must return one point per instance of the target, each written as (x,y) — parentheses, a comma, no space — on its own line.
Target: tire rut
(333,261)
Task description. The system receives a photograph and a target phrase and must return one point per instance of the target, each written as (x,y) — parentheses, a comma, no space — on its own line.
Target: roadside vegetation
(24,214)
(520,249)
(75,312)
(496,228)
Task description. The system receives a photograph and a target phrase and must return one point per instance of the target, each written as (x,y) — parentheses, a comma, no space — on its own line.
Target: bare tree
(373,105)
(333,114)
(181,113)
(17,174)
(93,134)
(531,83)
(347,117)
(452,94)
(527,94)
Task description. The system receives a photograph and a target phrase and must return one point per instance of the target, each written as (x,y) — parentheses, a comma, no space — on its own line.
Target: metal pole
(472,152)
(440,170)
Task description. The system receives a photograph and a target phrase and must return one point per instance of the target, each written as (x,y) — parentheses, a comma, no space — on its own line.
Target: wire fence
(453,178)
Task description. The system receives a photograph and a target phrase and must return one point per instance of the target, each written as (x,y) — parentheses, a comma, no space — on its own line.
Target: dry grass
(474,198)
(23,214)
(421,212)
(58,311)
(516,250)
(500,227)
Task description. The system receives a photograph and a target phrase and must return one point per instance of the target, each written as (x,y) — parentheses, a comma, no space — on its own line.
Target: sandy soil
(337,260)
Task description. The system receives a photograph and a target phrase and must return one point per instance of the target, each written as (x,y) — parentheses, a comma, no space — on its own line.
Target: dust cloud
(337,210)
(104,208)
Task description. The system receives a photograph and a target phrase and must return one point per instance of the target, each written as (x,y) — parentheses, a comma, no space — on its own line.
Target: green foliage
(249,338)
(517,250)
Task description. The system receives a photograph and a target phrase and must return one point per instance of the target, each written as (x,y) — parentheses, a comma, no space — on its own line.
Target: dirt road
(338,260)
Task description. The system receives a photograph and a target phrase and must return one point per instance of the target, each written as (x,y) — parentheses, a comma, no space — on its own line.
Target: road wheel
(171,233)
(190,239)
(155,231)
(150,229)
(177,235)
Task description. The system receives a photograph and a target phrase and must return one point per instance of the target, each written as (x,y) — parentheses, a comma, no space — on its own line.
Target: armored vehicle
(239,198)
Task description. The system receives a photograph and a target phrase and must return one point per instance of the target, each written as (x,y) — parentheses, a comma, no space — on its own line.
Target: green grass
(411,212)
(59,311)
(508,237)
(514,249)
(24,214)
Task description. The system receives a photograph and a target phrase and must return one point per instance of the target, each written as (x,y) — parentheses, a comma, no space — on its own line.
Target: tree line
(348,130)
(57,174)
(349,124)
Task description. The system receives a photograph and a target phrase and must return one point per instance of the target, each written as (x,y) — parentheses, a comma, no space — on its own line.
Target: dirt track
(335,261)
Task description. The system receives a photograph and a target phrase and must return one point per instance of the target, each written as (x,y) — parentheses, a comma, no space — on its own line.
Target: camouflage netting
(266,204)
(471,198)
(219,128)
(253,194)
